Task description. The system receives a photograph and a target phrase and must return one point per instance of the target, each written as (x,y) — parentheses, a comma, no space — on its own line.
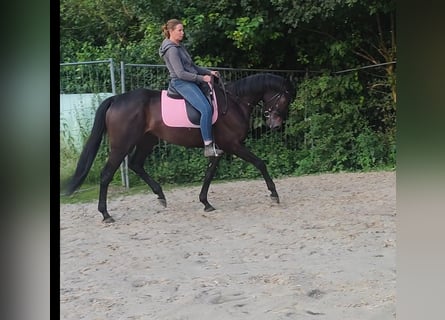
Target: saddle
(192,113)
(178,112)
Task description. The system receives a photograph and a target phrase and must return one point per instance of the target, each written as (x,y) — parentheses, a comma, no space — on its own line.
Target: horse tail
(90,149)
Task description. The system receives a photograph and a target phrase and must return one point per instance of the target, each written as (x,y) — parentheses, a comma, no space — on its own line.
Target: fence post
(124,164)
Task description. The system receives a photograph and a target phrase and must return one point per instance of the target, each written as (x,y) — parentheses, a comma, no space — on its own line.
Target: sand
(326,251)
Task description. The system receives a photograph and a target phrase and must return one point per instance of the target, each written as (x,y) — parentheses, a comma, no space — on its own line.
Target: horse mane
(259,82)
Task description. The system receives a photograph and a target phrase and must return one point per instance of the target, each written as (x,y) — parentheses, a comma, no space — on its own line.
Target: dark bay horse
(133,123)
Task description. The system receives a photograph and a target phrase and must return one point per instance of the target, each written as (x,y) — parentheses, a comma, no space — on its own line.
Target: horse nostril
(275,125)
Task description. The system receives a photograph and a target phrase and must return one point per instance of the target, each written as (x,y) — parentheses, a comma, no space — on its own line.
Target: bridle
(273,101)
(273,108)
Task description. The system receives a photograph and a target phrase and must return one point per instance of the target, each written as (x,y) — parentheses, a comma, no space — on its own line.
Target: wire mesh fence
(87,77)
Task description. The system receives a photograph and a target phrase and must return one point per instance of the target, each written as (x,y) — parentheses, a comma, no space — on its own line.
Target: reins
(277,96)
(221,82)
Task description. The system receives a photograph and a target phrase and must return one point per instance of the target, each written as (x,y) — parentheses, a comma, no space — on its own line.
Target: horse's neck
(250,99)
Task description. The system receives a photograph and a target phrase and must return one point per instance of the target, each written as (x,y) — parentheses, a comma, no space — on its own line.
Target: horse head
(274,91)
(276,101)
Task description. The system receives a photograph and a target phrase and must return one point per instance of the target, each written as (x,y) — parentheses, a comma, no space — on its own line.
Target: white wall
(77,111)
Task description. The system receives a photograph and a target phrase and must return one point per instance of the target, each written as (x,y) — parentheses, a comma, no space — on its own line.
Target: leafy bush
(329,125)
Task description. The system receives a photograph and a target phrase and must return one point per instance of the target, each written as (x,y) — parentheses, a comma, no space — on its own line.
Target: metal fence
(87,77)
(103,76)
(98,77)
(155,77)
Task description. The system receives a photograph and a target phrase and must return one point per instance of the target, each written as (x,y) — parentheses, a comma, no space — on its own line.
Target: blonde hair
(170,25)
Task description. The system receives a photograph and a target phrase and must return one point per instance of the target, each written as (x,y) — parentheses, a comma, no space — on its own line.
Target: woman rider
(185,77)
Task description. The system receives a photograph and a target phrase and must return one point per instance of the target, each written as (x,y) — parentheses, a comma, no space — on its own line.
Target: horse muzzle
(274,122)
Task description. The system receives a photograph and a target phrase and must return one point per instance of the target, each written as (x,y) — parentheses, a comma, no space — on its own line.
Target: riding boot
(210,150)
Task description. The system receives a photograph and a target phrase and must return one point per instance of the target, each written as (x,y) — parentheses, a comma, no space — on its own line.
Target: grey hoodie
(179,63)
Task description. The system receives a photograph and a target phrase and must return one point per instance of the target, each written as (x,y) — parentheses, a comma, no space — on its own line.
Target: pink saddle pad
(174,113)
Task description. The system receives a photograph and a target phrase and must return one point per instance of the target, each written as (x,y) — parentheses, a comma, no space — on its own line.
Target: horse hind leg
(106,176)
(136,163)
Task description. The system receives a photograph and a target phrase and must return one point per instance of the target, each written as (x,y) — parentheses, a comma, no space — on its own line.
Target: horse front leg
(248,156)
(210,173)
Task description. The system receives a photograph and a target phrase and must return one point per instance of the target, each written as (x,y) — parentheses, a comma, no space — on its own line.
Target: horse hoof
(209,208)
(108,220)
(163,202)
(275,199)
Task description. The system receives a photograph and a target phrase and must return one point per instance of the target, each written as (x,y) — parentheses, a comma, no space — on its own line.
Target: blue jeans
(191,92)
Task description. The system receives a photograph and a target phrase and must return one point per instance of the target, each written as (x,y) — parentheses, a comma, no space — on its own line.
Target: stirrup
(211,151)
